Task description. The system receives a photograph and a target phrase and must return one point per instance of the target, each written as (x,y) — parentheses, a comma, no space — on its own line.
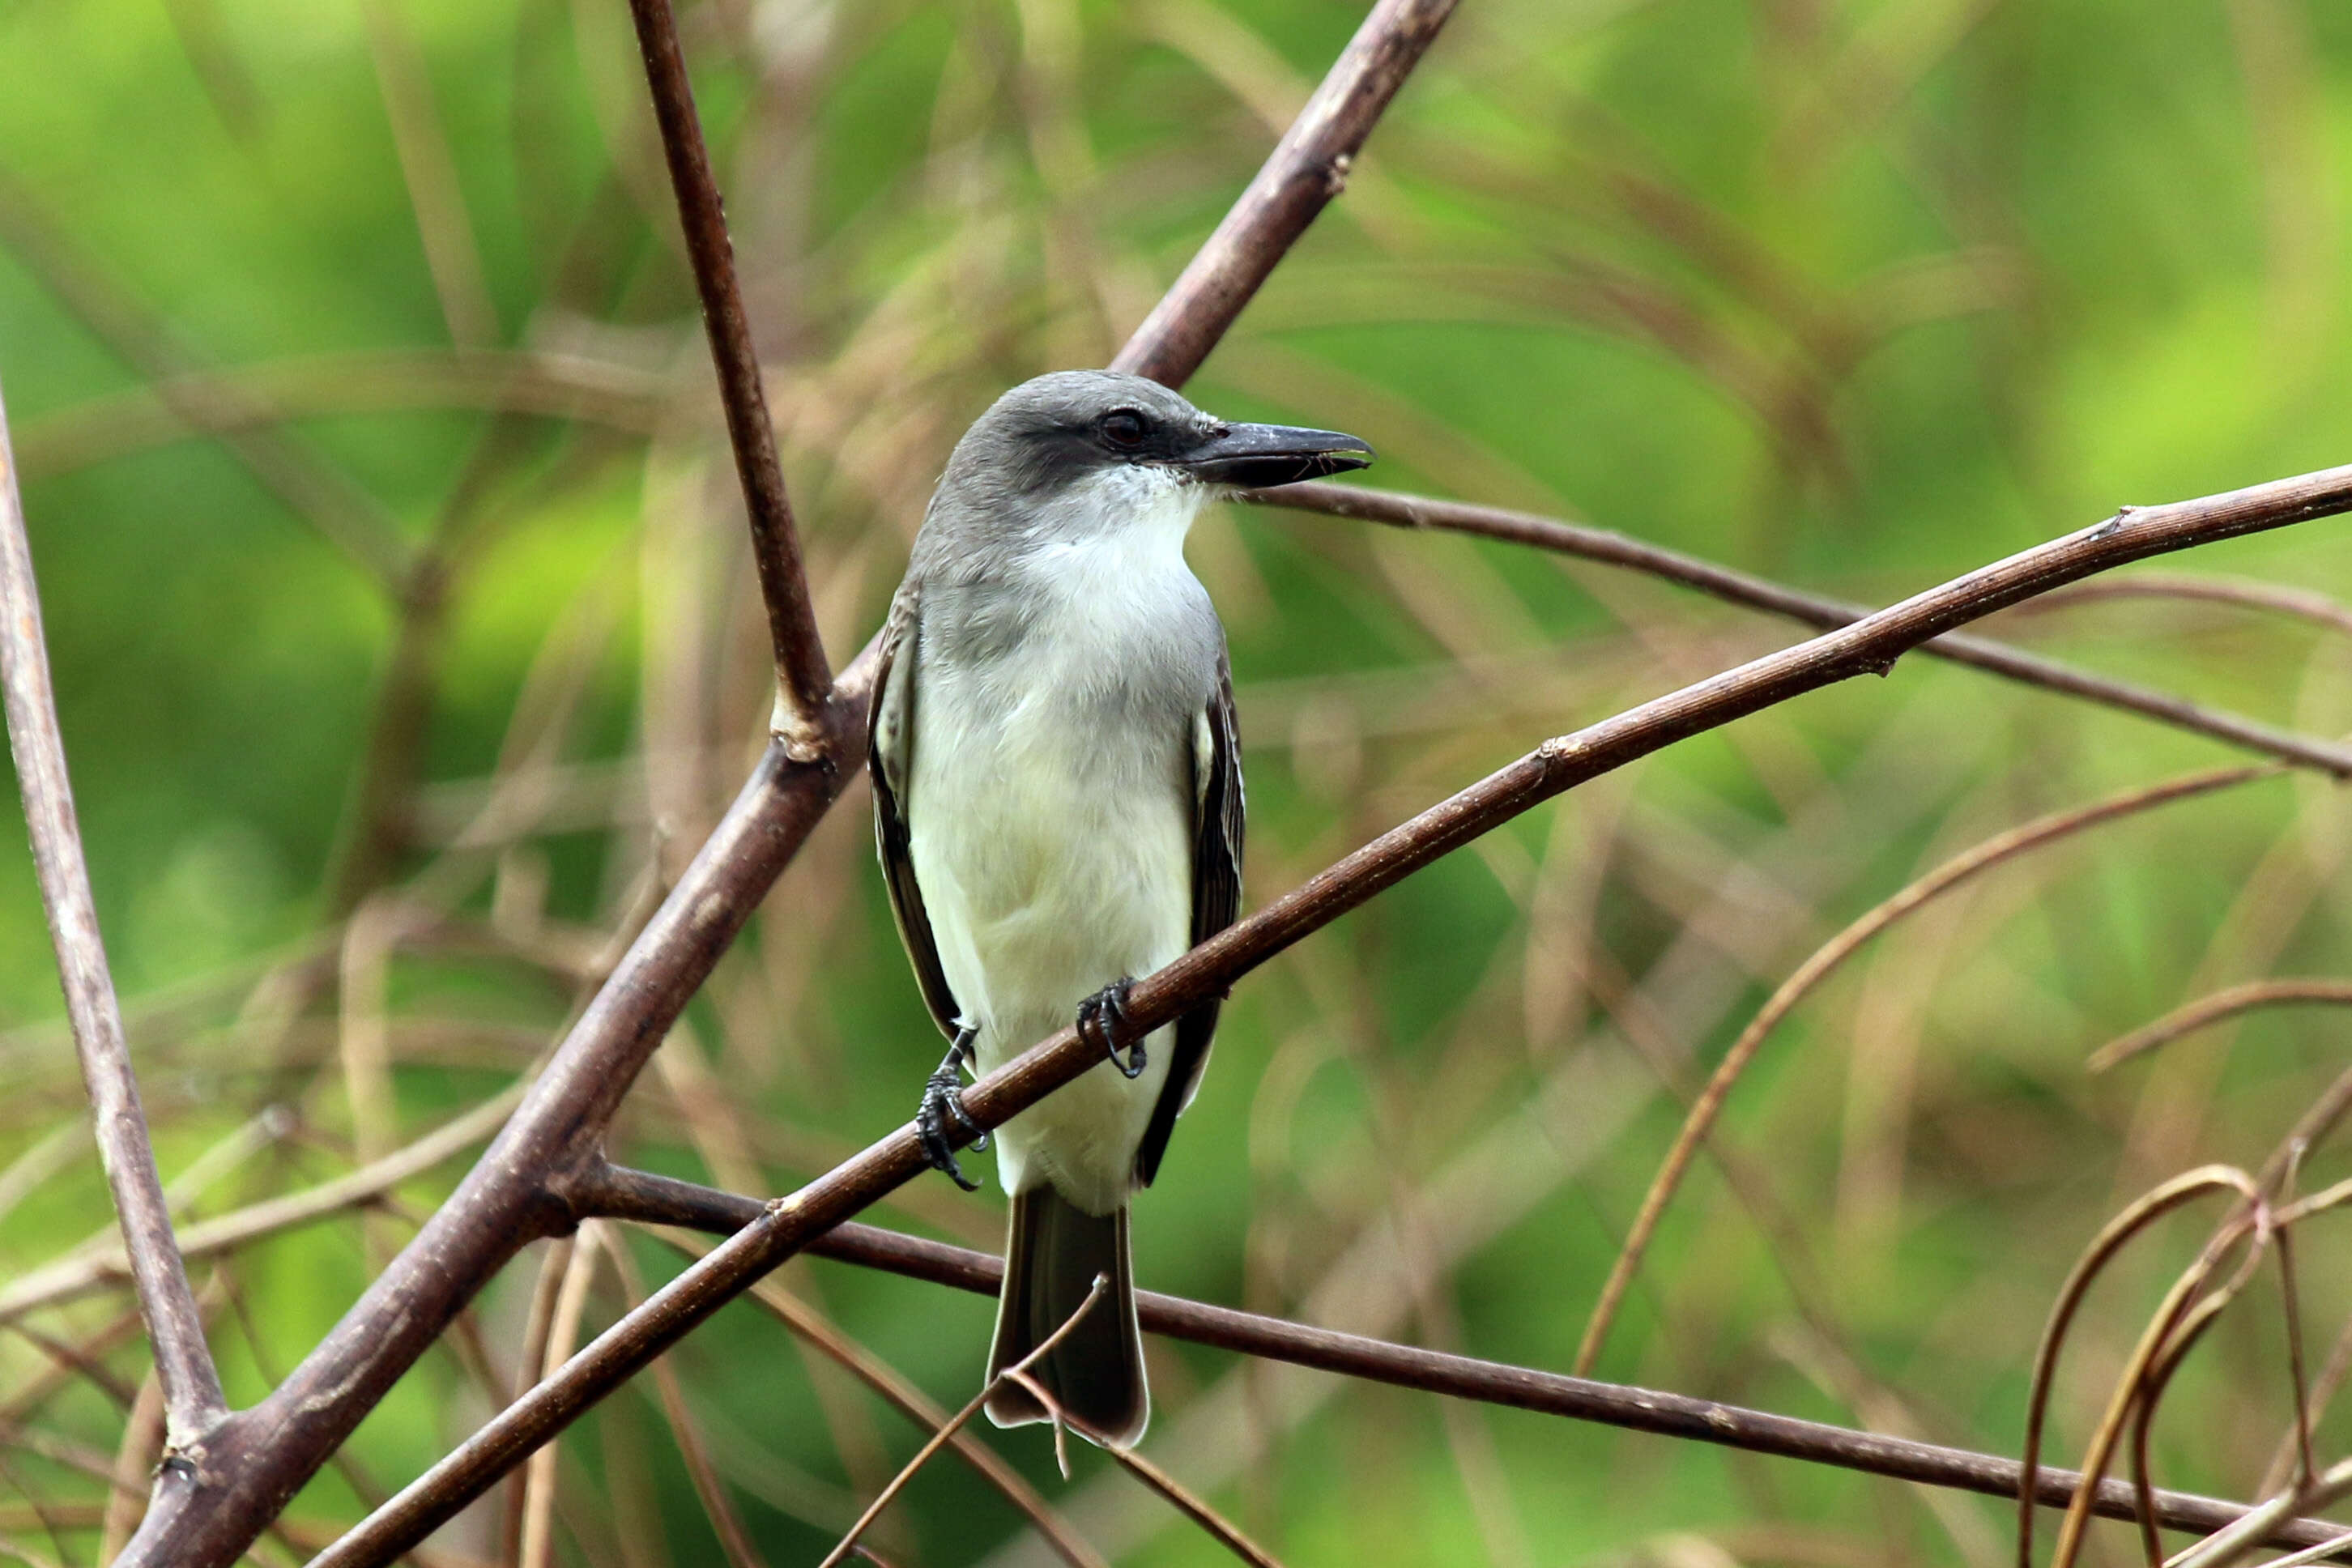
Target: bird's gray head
(1130,443)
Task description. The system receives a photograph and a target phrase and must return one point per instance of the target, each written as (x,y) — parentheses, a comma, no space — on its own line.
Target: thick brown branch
(634,1195)
(193,1404)
(1872,645)
(800,670)
(1306,168)
(1614,549)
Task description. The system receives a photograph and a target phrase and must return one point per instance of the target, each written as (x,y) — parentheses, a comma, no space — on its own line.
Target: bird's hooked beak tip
(1255,457)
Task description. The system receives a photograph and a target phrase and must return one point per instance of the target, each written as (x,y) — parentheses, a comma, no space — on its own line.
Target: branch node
(801,735)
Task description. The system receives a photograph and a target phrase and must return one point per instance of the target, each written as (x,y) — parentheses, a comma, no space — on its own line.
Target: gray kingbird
(1057,793)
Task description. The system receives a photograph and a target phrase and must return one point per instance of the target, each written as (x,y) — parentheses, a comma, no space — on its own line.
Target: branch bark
(1613,548)
(1871,645)
(801,674)
(193,1401)
(639,1196)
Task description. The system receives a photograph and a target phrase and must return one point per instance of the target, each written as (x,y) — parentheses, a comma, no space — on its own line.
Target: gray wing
(890,757)
(1217,819)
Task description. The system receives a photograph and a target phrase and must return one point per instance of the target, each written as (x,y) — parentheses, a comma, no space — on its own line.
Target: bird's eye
(1123,427)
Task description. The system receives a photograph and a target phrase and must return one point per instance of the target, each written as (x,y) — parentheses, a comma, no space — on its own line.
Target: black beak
(1252,457)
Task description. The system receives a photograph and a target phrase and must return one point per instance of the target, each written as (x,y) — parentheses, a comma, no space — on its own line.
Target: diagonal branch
(1613,548)
(1871,645)
(1306,168)
(193,1404)
(802,673)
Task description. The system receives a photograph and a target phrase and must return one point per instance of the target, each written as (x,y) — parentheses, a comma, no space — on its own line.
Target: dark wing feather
(890,756)
(1216,903)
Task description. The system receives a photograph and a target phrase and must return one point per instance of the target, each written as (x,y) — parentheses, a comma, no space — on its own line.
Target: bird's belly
(1046,881)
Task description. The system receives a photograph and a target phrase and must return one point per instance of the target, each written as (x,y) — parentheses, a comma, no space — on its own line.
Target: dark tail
(1096,1372)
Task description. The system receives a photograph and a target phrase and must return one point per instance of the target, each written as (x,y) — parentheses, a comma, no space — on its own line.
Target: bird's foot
(943,1104)
(1102,1018)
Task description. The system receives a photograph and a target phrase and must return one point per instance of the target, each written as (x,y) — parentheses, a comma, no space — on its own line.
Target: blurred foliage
(1858,295)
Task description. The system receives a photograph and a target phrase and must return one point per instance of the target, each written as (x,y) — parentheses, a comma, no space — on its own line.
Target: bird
(1057,793)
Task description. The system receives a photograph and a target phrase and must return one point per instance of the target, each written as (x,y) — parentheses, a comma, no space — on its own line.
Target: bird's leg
(1102,1018)
(943,1101)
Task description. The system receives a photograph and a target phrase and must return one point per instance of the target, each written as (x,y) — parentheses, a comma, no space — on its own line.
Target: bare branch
(813,1328)
(2302,604)
(79,1276)
(1614,549)
(956,1422)
(802,673)
(1216,1526)
(1306,168)
(2206,1010)
(661,1199)
(2110,1240)
(1699,1120)
(184,1363)
(1870,645)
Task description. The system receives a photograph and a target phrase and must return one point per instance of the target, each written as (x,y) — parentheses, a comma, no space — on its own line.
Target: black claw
(943,1101)
(1102,1018)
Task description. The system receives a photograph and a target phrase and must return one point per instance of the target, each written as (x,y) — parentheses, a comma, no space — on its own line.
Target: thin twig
(813,1328)
(1699,1120)
(2302,604)
(538,1548)
(956,1422)
(665,1200)
(2188,1309)
(1871,645)
(192,1389)
(1613,548)
(530,1365)
(726,1522)
(2227,1004)
(2111,1239)
(2227,1546)
(802,673)
(1306,168)
(144,1435)
(1215,1525)
(76,1277)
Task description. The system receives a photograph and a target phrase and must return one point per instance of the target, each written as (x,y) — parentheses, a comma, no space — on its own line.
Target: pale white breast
(1051,826)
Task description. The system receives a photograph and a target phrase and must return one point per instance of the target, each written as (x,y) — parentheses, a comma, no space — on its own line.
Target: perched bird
(1057,792)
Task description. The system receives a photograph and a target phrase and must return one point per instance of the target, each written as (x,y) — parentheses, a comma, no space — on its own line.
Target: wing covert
(890,754)
(1218,815)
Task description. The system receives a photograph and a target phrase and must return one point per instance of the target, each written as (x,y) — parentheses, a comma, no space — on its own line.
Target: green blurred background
(405,649)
